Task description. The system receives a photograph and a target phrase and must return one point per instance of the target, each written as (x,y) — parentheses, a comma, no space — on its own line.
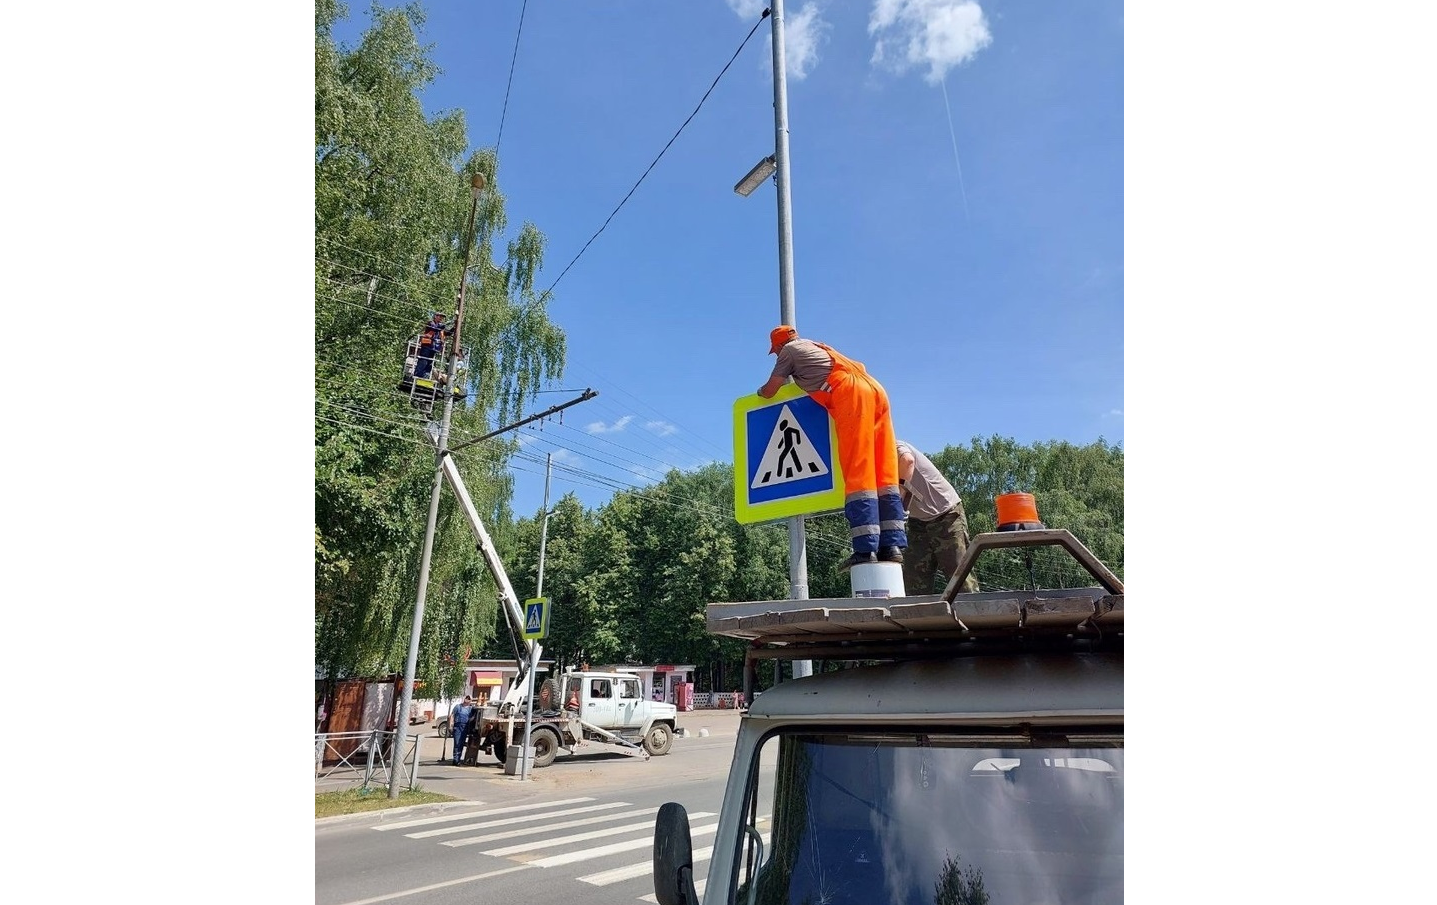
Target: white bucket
(877,579)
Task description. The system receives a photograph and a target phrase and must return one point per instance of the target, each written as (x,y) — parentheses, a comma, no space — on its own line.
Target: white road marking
(509,821)
(604,878)
(433,886)
(447,817)
(578,837)
(529,831)
(614,849)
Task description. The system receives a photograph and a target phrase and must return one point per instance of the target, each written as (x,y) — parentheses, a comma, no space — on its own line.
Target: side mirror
(674,857)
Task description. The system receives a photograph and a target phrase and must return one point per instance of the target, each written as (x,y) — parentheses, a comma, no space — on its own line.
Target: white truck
(609,708)
(977,756)
(577,709)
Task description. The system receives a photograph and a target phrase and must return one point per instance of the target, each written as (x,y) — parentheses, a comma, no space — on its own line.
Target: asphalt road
(578,830)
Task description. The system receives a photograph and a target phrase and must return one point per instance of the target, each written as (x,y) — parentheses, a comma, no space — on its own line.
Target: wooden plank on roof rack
(868,619)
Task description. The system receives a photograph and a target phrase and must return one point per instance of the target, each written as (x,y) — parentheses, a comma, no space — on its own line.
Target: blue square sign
(784,452)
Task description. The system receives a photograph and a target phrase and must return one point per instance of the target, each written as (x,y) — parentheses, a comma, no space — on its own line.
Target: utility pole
(538,592)
(797,533)
(396,759)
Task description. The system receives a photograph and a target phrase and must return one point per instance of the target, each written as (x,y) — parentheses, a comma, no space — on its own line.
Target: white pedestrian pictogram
(788,456)
(533,624)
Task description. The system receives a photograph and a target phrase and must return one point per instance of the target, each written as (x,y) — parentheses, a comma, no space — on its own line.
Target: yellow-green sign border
(543,619)
(776,510)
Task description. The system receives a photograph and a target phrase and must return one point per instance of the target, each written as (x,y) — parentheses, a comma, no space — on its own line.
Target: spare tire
(546,696)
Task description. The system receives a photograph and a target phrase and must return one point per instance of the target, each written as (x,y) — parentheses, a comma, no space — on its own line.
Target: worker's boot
(856,559)
(891,554)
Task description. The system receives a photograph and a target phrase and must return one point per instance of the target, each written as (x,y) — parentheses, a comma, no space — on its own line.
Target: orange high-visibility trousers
(867,453)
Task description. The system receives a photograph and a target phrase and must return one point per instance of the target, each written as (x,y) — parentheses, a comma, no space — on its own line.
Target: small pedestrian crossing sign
(536,618)
(785,461)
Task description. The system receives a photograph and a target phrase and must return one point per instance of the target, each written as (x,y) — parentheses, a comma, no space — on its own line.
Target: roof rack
(868,628)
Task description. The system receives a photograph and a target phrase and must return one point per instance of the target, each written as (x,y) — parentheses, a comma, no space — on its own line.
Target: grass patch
(375,798)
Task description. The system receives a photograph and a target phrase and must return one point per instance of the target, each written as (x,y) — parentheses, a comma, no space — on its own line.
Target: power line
(546,292)
(505,111)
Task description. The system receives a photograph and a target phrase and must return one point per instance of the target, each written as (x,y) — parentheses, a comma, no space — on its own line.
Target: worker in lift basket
(866,451)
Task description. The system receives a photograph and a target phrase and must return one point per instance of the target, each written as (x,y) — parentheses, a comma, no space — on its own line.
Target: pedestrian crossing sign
(536,618)
(785,457)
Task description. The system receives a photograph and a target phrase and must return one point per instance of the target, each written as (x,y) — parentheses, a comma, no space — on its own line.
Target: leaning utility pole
(396,759)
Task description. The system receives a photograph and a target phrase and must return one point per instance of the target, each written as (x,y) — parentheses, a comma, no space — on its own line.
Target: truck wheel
(546,747)
(659,740)
(501,748)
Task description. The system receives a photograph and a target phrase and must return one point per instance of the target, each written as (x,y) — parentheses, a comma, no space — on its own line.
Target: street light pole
(476,184)
(797,534)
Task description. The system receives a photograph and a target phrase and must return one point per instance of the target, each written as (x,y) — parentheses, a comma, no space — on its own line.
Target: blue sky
(956,173)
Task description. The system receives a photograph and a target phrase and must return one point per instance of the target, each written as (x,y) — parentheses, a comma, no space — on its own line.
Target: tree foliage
(392,212)
(631,580)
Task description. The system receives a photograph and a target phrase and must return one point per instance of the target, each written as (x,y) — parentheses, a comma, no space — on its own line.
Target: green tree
(1079,488)
(392,205)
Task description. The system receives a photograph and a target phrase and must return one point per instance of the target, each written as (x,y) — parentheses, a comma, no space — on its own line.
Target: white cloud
(599,427)
(939,34)
(662,428)
(747,9)
(803,31)
(1115,413)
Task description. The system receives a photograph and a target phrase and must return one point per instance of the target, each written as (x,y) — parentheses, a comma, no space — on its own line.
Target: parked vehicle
(978,758)
(603,708)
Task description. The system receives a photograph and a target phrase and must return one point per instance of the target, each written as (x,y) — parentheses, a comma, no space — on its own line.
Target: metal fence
(362,759)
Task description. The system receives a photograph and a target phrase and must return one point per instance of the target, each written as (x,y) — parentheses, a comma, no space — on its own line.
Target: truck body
(578,709)
(975,755)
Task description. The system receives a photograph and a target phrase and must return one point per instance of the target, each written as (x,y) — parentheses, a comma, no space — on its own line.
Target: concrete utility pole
(797,533)
(406,695)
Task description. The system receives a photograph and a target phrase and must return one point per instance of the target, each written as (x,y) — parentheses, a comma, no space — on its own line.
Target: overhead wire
(545,294)
(503,113)
(632,467)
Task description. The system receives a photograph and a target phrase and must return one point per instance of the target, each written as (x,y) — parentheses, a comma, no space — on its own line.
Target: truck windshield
(933,818)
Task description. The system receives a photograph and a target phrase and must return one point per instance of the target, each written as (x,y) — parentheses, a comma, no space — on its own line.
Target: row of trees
(391,214)
(630,580)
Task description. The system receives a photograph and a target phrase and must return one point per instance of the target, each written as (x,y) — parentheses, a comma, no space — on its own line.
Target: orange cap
(780,335)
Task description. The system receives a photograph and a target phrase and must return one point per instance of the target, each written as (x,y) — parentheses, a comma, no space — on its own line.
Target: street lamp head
(476,183)
(761,171)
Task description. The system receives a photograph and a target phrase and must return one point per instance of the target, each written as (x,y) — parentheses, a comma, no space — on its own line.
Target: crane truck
(975,755)
(581,709)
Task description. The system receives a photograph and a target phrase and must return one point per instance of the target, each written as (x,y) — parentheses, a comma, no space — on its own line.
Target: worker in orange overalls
(866,450)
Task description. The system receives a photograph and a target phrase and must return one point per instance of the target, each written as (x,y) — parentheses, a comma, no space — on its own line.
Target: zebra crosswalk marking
(445,818)
(510,821)
(529,831)
(614,849)
(580,837)
(604,878)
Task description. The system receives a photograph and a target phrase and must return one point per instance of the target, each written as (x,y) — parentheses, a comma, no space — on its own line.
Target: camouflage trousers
(936,546)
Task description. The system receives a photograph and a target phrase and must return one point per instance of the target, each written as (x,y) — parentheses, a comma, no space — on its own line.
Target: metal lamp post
(777,163)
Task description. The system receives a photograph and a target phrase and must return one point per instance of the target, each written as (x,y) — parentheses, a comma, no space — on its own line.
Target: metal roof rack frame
(935,624)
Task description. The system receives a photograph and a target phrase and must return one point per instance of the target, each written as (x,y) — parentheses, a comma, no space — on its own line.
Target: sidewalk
(592,767)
